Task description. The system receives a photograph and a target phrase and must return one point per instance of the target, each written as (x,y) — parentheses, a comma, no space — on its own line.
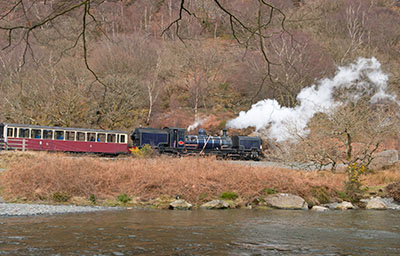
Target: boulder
(384,158)
(345,206)
(394,191)
(215,204)
(286,201)
(318,208)
(180,204)
(376,204)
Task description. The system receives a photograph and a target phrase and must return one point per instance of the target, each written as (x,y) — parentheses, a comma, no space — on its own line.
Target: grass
(42,176)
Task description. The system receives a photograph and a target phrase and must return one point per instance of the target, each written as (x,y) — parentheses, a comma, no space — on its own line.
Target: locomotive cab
(176,138)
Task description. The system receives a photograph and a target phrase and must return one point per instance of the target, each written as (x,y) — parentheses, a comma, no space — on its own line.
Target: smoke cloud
(363,76)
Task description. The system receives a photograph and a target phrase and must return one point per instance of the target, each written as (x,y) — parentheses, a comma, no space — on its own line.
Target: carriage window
(10,132)
(69,135)
(111,138)
(36,134)
(122,138)
(80,136)
(48,134)
(91,136)
(59,135)
(23,133)
(101,137)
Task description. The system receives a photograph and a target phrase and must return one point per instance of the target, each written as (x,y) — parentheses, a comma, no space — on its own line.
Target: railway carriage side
(48,138)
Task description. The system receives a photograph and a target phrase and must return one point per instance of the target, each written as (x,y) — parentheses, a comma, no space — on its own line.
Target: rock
(394,191)
(384,158)
(215,204)
(180,204)
(331,206)
(318,208)
(344,206)
(376,204)
(391,203)
(286,201)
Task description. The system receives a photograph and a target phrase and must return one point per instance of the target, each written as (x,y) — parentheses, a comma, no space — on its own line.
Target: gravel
(10,209)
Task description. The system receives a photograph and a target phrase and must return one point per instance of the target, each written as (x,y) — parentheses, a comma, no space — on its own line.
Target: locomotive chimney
(224,132)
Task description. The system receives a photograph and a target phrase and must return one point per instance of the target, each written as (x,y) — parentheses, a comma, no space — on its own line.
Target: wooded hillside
(121,64)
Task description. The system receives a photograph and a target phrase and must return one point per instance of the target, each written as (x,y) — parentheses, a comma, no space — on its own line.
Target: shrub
(321,195)
(143,152)
(92,198)
(270,191)
(229,195)
(343,196)
(60,197)
(353,184)
(195,179)
(204,197)
(124,198)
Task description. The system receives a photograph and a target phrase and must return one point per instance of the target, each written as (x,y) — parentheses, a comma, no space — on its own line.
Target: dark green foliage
(124,198)
(270,191)
(343,196)
(93,199)
(229,195)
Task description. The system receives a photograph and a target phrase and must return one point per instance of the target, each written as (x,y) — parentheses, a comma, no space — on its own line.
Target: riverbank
(155,183)
(10,209)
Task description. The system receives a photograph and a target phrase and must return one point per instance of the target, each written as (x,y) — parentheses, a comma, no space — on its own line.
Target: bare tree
(248,31)
(349,135)
(355,25)
(200,66)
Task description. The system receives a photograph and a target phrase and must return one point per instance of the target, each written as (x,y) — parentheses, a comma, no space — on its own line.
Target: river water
(204,232)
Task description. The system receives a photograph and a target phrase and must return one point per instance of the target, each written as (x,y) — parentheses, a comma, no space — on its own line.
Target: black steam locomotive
(176,141)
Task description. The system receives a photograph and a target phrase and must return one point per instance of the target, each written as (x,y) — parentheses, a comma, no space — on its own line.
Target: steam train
(176,141)
(112,142)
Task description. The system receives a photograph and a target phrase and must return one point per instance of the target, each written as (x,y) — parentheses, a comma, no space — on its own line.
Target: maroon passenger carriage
(48,138)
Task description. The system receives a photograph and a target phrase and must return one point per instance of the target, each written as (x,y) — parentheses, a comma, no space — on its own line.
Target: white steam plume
(196,124)
(363,76)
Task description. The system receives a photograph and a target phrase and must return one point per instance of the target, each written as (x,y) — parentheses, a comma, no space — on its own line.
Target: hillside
(122,64)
